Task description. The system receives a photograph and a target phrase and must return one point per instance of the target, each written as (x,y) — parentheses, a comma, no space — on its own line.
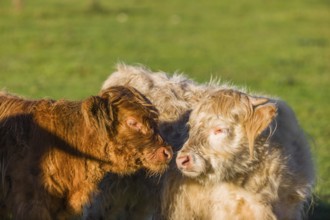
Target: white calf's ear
(134,124)
(261,118)
(257,101)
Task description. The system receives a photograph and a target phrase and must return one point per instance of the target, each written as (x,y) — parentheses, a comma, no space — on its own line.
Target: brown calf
(55,153)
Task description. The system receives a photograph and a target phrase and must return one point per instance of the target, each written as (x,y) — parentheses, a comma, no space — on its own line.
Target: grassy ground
(65,49)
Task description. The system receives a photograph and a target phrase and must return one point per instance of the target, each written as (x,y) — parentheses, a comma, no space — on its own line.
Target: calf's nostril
(183,161)
(167,154)
(186,160)
(164,153)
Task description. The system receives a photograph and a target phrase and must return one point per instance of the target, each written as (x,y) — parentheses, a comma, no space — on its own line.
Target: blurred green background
(66,49)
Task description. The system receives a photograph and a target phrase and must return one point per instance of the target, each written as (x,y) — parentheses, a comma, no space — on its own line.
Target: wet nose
(165,153)
(184,161)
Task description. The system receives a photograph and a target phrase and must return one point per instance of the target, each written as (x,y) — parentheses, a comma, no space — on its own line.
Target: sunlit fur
(55,153)
(275,183)
(183,197)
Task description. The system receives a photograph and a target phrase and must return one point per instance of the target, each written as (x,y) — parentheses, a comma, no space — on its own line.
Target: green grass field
(66,49)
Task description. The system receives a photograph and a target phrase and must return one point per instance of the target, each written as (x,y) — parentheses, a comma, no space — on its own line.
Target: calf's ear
(262,115)
(98,111)
(257,101)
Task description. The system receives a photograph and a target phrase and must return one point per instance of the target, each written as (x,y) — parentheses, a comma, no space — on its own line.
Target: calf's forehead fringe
(227,104)
(130,98)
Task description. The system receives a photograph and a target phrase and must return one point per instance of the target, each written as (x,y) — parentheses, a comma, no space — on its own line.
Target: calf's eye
(217,131)
(134,124)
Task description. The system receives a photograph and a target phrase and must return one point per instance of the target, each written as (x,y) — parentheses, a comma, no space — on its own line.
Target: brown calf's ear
(261,118)
(98,111)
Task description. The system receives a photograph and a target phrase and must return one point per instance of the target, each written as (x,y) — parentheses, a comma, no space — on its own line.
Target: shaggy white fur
(177,196)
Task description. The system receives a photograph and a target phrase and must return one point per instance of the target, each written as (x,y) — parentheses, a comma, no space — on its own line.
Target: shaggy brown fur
(55,153)
(175,97)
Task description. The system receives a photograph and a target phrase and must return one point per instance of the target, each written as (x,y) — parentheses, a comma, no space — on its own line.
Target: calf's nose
(184,161)
(164,153)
